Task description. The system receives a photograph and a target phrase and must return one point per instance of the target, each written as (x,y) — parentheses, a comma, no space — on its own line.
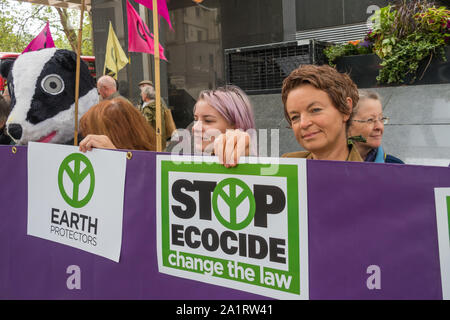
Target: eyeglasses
(371,121)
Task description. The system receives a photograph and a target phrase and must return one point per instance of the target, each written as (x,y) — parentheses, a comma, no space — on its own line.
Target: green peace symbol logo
(448,207)
(233,201)
(76,177)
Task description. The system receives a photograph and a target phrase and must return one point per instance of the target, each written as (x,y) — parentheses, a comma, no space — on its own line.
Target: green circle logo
(233,201)
(76,177)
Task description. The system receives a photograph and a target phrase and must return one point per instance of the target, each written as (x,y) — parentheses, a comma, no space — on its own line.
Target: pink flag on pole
(43,40)
(162,9)
(139,37)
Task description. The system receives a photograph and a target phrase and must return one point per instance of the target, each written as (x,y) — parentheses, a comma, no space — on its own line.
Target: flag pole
(157,77)
(106,50)
(77,75)
(129,77)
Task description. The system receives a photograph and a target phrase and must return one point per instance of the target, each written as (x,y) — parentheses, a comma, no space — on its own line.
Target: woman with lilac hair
(218,117)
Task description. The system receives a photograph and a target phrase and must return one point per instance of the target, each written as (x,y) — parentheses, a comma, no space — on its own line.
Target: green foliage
(21,22)
(347,49)
(62,41)
(405,57)
(407,34)
(383,31)
(11,39)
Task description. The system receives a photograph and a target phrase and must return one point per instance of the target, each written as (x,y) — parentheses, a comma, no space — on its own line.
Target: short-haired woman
(318,104)
(368,121)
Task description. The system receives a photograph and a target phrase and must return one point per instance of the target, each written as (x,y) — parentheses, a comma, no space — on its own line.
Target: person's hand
(96,141)
(230,146)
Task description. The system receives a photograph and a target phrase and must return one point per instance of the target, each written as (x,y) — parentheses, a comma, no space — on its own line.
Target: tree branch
(70,33)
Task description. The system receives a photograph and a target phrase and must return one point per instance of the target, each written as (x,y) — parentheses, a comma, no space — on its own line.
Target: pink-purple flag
(43,40)
(139,37)
(162,9)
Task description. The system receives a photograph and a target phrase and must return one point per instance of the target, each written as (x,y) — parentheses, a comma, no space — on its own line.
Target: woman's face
(209,123)
(318,126)
(373,133)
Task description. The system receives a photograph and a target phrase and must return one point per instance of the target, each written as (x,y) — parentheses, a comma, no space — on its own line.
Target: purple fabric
(359,214)
(363,214)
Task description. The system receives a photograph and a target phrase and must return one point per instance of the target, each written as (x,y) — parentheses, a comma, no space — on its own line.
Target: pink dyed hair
(233,104)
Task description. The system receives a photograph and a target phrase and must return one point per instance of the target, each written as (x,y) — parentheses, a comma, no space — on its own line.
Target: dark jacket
(4,138)
(378,156)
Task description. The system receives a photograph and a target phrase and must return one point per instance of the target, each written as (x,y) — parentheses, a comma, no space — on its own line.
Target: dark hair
(4,109)
(337,85)
(121,122)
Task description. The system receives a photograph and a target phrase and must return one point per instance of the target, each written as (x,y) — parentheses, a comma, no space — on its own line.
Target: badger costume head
(42,88)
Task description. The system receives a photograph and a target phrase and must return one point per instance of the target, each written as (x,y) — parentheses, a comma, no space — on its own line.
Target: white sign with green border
(76,198)
(442,198)
(235,227)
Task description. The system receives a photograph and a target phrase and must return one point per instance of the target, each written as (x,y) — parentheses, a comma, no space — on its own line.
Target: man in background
(145,83)
(148,108)
(107,88)
(141,85)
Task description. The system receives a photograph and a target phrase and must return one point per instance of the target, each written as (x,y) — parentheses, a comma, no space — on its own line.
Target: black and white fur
(42,88)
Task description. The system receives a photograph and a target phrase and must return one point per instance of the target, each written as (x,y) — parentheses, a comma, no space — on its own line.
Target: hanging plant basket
(364,69)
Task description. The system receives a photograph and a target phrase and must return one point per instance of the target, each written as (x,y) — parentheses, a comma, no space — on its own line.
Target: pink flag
(139,37)
(43,40)
(162,9)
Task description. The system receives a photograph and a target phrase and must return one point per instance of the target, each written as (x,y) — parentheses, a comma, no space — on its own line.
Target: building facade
(204,32)
(255,44)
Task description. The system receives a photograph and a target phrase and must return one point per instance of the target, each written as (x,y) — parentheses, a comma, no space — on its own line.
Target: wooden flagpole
(157,77)
(129,77)
(77,75)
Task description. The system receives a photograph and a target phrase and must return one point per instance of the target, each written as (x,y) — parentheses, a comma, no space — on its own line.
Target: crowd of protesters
(330,119)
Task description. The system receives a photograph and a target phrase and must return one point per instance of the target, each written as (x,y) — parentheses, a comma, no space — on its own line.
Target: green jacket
(114,95)
(149,112)
(117,95)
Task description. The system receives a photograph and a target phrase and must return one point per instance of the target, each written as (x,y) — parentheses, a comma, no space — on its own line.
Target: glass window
(196,58)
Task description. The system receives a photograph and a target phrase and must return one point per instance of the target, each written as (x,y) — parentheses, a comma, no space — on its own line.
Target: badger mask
(42,88)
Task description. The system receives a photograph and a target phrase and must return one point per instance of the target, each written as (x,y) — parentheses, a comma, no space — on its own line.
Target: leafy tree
(71,35)
(20,22)
(12,38)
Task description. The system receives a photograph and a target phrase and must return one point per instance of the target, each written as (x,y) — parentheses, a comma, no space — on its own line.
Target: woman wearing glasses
(368,121)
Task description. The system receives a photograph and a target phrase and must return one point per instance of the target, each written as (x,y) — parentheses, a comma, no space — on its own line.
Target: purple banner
(359,215)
